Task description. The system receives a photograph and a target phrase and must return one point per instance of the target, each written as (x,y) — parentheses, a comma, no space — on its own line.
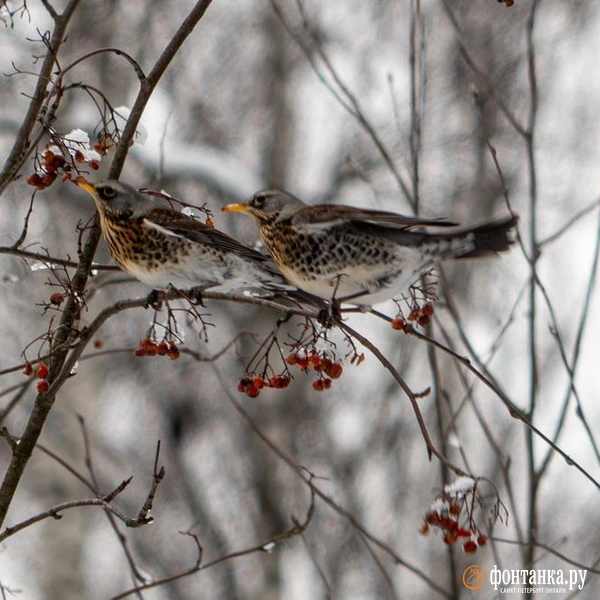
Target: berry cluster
(420,314)
(252,384)
(148,347)
(447,520)
(450,513)
(103,144)
(41,374)
(63,157)
(327,368)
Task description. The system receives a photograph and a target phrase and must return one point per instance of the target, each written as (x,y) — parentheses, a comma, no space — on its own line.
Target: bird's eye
(258,202)
(107,192)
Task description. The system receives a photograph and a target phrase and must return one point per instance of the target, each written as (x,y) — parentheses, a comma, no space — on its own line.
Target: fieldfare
(161,246)
(359,255)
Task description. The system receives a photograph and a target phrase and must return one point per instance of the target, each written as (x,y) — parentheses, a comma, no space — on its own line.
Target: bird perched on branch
(358,255)
(161,246)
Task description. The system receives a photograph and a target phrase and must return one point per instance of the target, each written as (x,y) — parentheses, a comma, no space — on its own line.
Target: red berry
(35,179)
(94,164)
(42,371)
(318,385)
(326,383)
(334,370)
(292,359)
(42,386)
(146,344)
(47,180)
(28,370)
(449,524)
(454,509)
(252,391)
(449,538)
(57,298)
(162,349)
(173,351)
(140,352)
(302,364)
(433,518)
(470,547)
(243,383)
(53,161)
(323,365)
(258,382)
(314,361)
(423,320)
(279,381)
(398,324)
(481,540)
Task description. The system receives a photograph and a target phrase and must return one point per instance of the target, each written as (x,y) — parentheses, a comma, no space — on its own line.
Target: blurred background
(303,96)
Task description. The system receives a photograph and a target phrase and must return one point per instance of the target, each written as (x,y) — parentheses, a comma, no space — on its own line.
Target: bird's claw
(330,315)
(155,299)
(196,296)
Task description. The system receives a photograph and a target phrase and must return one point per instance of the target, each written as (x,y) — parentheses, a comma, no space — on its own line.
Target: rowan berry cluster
(452,514)
(326,368)
(64,157)
(41,374)
(149,347)
(421,315)
(251,384)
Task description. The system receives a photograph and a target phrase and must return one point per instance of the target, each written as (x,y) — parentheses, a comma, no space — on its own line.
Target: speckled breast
(326,254)
(130,242)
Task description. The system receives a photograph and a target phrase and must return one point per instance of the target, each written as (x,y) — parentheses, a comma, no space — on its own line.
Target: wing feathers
(330,215)
(181,225)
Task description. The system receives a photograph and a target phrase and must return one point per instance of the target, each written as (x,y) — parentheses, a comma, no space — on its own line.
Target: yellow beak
(239,208)
(86,185)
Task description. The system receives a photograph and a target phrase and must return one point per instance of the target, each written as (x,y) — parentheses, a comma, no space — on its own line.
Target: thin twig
(268,546)
(23,146)
(301,472)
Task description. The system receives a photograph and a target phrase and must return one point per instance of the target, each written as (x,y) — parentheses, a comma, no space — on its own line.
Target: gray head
(116,199)
(268,206)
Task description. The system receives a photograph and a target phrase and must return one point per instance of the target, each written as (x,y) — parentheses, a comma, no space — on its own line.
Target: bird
(162,247)
(361,256)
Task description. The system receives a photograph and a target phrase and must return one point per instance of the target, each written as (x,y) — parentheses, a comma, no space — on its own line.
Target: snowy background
(241,108)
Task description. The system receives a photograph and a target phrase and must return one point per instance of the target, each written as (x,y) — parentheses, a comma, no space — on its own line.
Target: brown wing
(323,215)
(192,229)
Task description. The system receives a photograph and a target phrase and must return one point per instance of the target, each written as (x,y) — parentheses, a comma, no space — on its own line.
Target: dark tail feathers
(489,238)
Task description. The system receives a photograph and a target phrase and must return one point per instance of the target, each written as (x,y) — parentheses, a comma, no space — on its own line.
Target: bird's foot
(330,315)
(195,295)
(155,299)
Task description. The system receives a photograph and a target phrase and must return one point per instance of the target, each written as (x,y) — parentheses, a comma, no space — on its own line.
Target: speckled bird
(361,256)
(161,246)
